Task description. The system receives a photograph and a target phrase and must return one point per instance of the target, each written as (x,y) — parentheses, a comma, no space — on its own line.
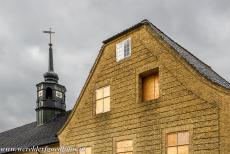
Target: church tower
(50,94)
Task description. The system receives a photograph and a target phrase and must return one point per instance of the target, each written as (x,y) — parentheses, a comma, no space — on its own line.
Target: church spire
(50,75)
(50,94)
(51,67)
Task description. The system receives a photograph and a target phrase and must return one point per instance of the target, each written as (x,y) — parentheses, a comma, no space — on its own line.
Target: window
(49,93)
(85,150)
(103,100)
(177,143)
(124,147)
(150,87)
(123,49)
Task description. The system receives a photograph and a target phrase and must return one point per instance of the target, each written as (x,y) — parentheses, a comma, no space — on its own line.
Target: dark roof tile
(31,135)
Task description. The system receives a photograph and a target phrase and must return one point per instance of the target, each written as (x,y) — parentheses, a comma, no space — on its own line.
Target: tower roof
(50,76)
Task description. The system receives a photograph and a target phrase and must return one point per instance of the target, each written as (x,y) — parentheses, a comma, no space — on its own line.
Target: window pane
(107,91)
(156,85)
(88,150)
(125,146)
(172,140)
(82,152)
(99,106)
(99,93)
(183,138)
(123,49)
(172,150)
(119,51)
(183,149)
(107,104)
(148,88)
(127,143)
(127,48)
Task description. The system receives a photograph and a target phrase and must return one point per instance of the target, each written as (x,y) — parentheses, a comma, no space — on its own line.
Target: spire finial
(50,33)
(51,68)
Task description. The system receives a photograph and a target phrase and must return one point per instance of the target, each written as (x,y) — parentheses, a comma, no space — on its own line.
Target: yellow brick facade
(187,101)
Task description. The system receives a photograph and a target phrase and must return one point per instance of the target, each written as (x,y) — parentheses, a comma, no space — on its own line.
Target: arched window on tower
(49,93)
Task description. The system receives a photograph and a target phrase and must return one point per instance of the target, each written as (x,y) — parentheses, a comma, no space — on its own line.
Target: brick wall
(187,102)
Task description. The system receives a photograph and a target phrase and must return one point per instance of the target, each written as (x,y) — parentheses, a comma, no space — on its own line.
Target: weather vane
(50,33)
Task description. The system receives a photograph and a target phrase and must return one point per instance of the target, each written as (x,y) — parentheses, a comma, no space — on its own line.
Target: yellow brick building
(145,94)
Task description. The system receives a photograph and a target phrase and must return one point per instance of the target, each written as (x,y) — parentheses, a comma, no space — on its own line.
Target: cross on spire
(51,67)
(50,33)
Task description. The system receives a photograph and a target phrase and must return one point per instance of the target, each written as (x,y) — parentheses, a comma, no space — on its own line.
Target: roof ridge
(188,56)
(179,45)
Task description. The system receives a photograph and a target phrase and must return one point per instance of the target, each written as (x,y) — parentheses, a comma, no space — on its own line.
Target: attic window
(123,49)
(150,86)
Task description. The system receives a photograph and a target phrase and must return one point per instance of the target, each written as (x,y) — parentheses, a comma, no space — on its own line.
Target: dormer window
(123,49)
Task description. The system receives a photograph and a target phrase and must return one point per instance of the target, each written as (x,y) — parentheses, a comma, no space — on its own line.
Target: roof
(31,135)
(196,63)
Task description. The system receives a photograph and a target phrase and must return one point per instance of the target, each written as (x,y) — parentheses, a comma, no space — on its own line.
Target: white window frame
(121,49)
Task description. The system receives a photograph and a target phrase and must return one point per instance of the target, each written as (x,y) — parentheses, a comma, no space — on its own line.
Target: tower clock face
(40,93)
(59,94)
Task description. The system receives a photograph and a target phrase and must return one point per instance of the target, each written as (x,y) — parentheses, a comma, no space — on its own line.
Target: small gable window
(124,147)
(103,100)
(150,87)
(177,143)
(123,49)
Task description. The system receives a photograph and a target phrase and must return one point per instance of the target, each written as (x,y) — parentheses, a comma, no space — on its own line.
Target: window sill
(157,100)
(103,114)
(123,59)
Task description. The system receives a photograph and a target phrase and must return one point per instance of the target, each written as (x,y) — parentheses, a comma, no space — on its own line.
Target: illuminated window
(177,143)
(85,150)
(150,87)
(123,49)
(124,147)
(103,100)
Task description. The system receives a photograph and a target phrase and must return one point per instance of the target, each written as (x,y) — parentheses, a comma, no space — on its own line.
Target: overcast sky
(202,27)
